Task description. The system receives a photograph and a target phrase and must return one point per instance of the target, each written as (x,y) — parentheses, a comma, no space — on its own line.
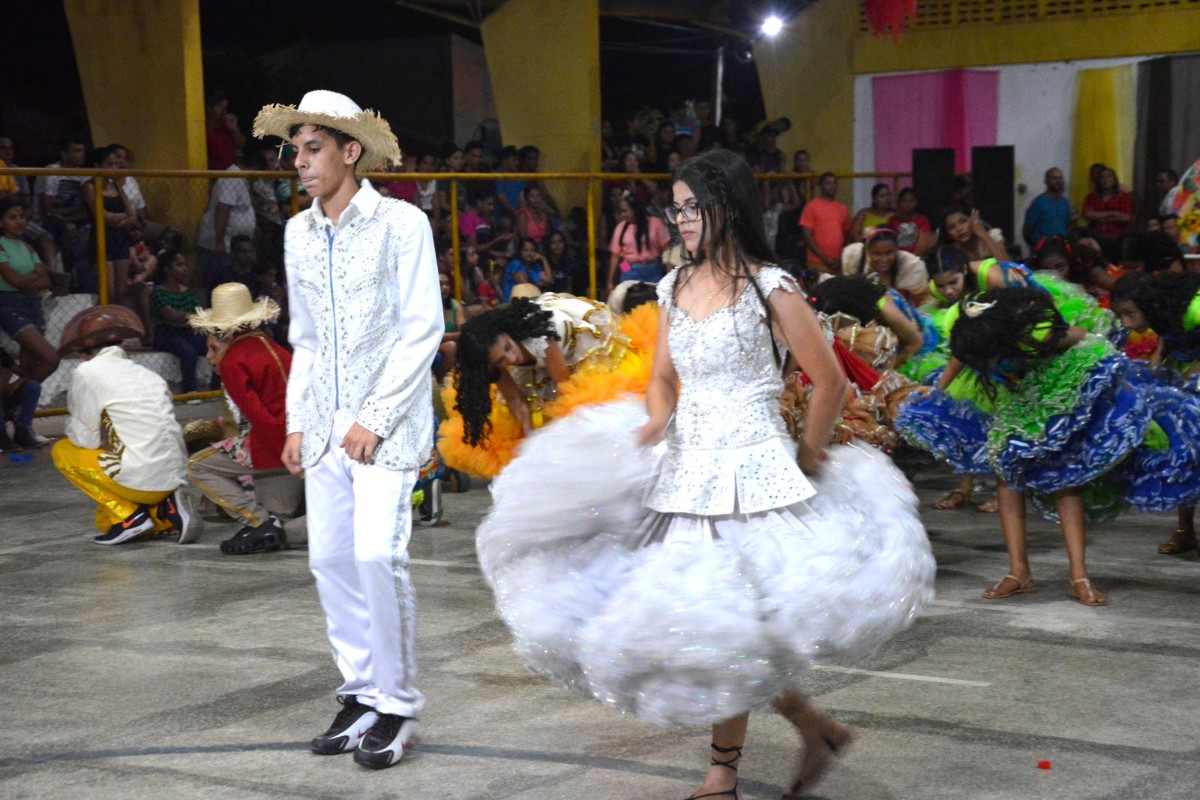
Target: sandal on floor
(1178,545)
(990,507)
(267,537)
(1093,598)
(956,499)
(995,593)
(730,763)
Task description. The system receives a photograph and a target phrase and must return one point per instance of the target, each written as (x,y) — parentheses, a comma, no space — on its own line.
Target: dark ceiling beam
(426,8)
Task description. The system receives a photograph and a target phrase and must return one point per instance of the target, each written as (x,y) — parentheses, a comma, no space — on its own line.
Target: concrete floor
(155,670)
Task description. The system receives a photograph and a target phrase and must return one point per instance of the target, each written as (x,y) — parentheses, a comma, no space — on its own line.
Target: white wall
(1036,116)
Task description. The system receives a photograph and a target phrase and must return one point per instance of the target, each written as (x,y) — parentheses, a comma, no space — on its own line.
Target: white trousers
(359,523)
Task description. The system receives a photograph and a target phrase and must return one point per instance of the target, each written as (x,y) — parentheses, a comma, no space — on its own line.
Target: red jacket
(254,372)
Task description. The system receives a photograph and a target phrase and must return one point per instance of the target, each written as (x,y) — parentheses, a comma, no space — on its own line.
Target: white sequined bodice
(727,447)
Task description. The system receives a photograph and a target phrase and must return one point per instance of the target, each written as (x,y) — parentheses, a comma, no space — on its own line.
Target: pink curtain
(933,109)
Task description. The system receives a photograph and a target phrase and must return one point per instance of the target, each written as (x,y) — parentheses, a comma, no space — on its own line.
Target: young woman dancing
(693,582)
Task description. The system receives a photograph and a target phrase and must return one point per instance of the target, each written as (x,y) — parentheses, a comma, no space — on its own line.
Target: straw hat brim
(263,310)
(380,147)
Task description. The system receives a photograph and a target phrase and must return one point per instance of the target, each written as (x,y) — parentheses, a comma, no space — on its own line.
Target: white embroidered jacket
(366,322)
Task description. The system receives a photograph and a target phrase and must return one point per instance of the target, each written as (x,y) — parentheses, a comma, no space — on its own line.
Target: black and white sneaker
(384,744)
(429,513)
(348,728)
(134,525)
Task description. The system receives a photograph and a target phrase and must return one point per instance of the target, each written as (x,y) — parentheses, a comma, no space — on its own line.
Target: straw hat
(233,308)
(525,290)
(336,111)
(100,325)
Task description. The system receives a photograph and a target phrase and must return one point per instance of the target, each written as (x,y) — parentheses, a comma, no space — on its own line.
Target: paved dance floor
(154,670)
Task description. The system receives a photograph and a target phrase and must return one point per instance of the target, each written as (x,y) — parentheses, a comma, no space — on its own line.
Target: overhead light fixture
(771,26)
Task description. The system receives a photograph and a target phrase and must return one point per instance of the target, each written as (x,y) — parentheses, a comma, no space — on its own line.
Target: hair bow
(973,309)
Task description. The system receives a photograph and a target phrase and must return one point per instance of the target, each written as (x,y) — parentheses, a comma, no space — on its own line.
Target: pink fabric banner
(934,109)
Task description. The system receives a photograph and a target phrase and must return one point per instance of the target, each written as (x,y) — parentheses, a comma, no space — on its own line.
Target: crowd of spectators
(512,231)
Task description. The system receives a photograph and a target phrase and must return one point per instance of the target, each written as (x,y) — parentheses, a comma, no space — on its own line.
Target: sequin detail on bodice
(727,447)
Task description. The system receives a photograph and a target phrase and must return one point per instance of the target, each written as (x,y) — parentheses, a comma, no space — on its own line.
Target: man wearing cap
(366,322)
(254,374)
(123,447)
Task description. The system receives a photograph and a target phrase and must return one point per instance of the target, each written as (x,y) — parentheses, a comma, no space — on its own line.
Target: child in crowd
(170,303)
(23,278)
(123,447)
(366,323)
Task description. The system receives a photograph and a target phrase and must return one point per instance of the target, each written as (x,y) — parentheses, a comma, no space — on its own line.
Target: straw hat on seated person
(100,326)
(336,112)
(232,310)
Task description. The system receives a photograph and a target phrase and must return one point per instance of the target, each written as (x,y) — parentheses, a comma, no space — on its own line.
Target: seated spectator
(531,161)
(475,224)
(914,234)
(123,447)
(642,189)
(609,152)
(269,286)
(23,278)
(170,304)
(283,186)
(825,226)
(530,268)
(59,208)
(503,246)
(533,219)
(962,227)
(243,263)
(35,234)
(564,266)
(119,221)
(401,189)
(1166,180)
(1108,211)
(133,190)
(452,162)
(473,156)
(880,259)
(230,213)
(664,143)
(472,274)
(452,311)
(637,245)
(427,190)
(489,291)
(19,397)
(875,215)
(254,371)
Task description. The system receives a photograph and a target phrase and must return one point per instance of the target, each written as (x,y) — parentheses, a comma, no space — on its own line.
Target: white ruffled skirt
(686,619)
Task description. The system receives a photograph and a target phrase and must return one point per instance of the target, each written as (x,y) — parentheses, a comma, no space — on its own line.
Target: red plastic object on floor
(1044,765)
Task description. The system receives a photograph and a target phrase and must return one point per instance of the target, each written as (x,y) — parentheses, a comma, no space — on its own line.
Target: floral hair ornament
(973,309)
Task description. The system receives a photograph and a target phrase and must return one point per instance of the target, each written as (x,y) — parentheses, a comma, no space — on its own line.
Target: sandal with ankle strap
(728,764)
(1179,543)
(1092,598)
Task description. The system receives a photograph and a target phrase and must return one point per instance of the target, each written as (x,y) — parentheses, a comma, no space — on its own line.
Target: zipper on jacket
(337,394)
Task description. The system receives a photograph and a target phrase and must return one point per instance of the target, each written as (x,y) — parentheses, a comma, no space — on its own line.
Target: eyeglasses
(688,212)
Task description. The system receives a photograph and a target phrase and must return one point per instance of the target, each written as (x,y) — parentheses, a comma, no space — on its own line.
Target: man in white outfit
(366,322)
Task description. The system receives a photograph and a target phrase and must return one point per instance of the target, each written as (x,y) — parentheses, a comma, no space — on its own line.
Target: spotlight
(771,26)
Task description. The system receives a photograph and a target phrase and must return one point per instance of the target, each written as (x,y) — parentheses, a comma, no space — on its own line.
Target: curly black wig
(848,294)
(1163,301)
(731,208)
(1006,329)
(521,319)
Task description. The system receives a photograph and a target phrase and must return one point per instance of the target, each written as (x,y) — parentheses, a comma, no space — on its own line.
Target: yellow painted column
(142,74)
(143,79)
(547,86)
(806,76)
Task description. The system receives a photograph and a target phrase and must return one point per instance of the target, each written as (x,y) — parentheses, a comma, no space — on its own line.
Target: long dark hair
(1006,329)
(848,294)
(521,319)
(641,222)
(731,209)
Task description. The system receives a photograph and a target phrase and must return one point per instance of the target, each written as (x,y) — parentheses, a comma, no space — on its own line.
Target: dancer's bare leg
(727,736)
(822,735)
